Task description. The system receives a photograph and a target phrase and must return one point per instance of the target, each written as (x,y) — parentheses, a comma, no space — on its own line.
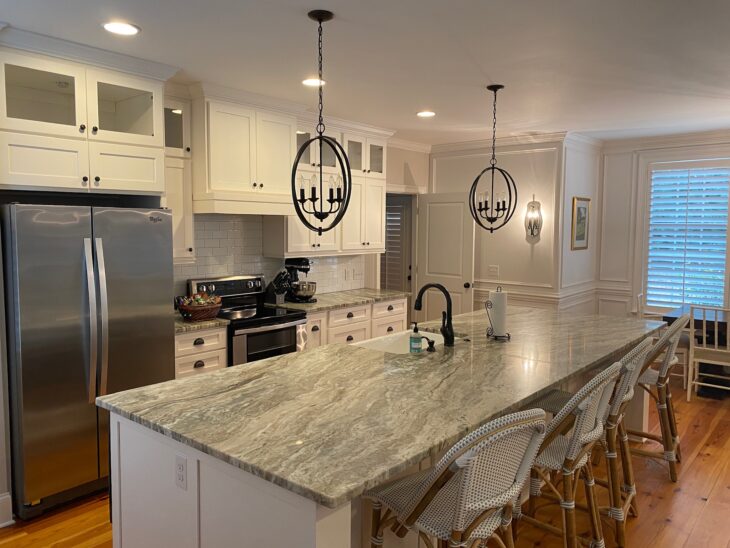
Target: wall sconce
(533,220)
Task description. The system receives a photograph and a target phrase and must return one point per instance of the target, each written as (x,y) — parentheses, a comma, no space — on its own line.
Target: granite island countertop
(333,421)
(343,299)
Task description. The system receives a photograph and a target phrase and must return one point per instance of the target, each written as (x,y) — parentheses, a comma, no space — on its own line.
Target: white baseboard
(6,510)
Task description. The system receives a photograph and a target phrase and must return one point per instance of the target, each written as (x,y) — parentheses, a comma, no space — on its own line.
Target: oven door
(256,343)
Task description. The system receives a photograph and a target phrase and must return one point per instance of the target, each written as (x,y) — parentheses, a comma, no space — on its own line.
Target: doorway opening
(395,264)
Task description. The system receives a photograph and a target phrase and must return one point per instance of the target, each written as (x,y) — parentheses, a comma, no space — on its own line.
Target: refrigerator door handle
(104,296)
(93,328)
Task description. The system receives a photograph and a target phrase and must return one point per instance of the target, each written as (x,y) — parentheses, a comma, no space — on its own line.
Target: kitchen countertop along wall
(344,299)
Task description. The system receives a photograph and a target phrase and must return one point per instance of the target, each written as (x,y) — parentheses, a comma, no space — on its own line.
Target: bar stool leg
(570,536)
(615,511)
(673,425)
(627,467)
(376,538)
(589,484)
(669,454)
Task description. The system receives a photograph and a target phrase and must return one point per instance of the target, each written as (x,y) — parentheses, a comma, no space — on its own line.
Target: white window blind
(687,236)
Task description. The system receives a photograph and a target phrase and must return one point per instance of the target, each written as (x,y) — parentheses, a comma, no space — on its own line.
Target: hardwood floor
(695,511)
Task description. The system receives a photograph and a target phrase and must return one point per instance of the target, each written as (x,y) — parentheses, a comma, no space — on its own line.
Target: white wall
(407,169)
(624,208)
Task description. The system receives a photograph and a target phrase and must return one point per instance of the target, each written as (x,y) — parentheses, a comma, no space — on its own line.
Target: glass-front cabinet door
(356,149)
(376,158)
(177,128)
(42,96)
(124,109)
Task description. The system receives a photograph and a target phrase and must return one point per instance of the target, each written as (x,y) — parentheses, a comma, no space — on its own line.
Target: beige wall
(407,170)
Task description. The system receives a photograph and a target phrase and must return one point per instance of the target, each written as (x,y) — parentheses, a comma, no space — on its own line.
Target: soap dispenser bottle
(415,340)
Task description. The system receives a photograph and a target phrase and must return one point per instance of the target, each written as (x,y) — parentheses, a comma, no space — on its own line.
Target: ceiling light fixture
(494,207)
(314,82)
(311,204)
(120,27)
(426,114)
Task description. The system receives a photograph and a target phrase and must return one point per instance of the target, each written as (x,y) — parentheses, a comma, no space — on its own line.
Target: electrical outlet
(181,472)
(493,271)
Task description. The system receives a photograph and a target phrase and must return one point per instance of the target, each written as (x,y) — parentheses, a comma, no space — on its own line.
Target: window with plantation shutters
(688,223)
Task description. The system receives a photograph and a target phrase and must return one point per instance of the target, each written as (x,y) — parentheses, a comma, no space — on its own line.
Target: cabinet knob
(390,329)
(255,185)
(314,245)
(198,341)
(467,285)
(199,364)
(82,128)
(190,249)
(314,164)
(85,179)
(363,243)
(350,315)
(94,129)
(390,308)
(350,338)
(368,243)
(364,170)
(319,245)
(187,149)
(97,179)
(261,185)
(315,329)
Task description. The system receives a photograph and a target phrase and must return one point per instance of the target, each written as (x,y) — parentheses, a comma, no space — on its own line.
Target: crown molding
(409,145)
(583,141)
(511,140)
(340,123)
(224,93)
(678,140)
(181,91)
(73,51)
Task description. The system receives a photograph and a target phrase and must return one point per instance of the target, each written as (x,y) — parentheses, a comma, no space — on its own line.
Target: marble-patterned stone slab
(335,420)
(343,299)
(186,327)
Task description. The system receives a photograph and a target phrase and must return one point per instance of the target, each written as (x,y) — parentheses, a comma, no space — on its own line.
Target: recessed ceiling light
(177,111)
(313,82)
(426,114)
(119,27)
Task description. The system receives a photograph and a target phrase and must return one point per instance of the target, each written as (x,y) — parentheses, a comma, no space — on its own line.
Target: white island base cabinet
(165,493)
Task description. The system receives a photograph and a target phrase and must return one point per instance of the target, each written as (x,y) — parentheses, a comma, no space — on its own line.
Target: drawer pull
(199,364)
(198,341)
(390,308)
(350,338)
(315,328)
(390,329)
(350,315)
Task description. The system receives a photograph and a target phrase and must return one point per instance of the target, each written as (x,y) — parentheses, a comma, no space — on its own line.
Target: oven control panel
(229,286)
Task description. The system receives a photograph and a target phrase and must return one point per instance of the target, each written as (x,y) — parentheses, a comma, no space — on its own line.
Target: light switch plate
(181,472)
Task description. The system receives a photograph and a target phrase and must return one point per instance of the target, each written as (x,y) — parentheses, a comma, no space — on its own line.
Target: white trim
(462,146)
(405,189)
(409,145)
(6,510)
(72,51)
(677,140)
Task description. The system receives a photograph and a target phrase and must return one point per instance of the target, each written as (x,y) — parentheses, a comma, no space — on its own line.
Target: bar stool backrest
(670,340)
(631,368)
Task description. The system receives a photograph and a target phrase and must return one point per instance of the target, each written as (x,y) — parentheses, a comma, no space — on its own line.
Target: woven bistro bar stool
(468,496)
(570,437)
(614,439)
(656,383)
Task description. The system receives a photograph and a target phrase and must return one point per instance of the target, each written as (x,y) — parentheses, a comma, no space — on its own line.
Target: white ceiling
(617,68)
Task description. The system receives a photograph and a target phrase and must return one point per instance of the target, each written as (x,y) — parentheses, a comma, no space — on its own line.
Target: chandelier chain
(493,161)
(320,124)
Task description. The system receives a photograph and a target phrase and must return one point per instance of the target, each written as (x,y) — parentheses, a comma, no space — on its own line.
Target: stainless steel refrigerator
(88,312)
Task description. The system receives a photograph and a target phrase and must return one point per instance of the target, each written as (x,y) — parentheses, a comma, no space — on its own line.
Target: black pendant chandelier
(315,200)
(493,207)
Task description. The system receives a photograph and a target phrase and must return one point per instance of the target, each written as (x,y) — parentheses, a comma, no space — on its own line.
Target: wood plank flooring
(691,513)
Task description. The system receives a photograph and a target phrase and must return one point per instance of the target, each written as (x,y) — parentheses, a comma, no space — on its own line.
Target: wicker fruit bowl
(198,308)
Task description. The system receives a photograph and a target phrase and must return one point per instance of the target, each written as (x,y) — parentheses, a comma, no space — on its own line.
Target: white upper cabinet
(353,230)
(177,128)
(231,148)
(275,149)
(374,217)
(179,199)
(130,169)
(363,227)
(367,155)
(318,156)
(124,109)
(42,96)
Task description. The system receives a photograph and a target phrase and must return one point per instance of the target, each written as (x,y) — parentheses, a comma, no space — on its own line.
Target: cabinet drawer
(199,341)
(316,327)
(347,316)
(389,308)
(388,326)
(200,363)
(349,334)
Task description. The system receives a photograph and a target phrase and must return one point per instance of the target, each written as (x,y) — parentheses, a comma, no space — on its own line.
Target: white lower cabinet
(200,351)
(357,323)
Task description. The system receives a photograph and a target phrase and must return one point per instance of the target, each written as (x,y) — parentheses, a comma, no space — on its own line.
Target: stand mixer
(299,291)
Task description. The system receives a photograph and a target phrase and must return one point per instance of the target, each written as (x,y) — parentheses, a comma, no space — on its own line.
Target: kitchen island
(278,452)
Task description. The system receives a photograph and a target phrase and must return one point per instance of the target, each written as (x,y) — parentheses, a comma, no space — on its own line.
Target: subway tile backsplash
(227,245)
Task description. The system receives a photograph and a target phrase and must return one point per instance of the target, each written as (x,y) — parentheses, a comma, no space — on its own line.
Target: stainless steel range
(257,330)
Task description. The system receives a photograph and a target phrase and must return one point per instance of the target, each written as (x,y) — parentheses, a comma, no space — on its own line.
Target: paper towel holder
(490,330)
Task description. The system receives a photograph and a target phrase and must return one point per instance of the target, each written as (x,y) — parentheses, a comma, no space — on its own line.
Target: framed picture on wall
(580,224)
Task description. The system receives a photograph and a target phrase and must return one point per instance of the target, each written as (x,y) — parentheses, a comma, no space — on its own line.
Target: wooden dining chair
(709,346)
